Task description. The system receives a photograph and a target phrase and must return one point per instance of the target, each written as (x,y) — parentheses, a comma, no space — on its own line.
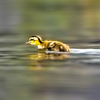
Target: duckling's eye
(31,39)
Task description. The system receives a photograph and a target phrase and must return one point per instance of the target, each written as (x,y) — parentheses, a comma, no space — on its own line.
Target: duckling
(48,45)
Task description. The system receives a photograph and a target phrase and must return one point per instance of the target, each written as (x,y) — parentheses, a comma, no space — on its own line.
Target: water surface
(26,74)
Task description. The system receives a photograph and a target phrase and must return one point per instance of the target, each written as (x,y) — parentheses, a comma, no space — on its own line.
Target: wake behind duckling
(78,51)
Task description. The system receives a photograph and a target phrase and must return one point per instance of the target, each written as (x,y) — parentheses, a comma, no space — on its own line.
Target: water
(26,74)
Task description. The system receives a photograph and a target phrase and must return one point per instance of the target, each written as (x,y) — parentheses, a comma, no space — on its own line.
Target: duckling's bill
(27,43)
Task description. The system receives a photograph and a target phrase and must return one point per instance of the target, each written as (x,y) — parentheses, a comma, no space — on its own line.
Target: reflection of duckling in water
(48,45)
(40,60)
(51,56)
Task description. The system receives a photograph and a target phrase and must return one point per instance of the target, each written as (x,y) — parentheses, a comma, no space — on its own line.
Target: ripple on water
(85,51)
(87,56)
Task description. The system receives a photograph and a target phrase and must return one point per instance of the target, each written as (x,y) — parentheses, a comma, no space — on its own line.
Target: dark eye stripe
(31,39)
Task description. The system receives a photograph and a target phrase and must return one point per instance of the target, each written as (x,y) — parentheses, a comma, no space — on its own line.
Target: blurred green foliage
(64,19)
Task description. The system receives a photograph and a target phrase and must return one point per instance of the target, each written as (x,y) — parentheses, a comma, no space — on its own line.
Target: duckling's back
(56,46)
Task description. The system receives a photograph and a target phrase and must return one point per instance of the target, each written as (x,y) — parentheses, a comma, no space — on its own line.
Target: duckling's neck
(41,46)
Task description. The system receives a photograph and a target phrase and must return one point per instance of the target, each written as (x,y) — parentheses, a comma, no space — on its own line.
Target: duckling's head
(35,40)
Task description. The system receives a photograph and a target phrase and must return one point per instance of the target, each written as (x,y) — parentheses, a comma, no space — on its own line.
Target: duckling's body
(48,45)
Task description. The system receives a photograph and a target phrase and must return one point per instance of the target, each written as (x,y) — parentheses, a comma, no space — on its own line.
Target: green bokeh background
(60,19)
